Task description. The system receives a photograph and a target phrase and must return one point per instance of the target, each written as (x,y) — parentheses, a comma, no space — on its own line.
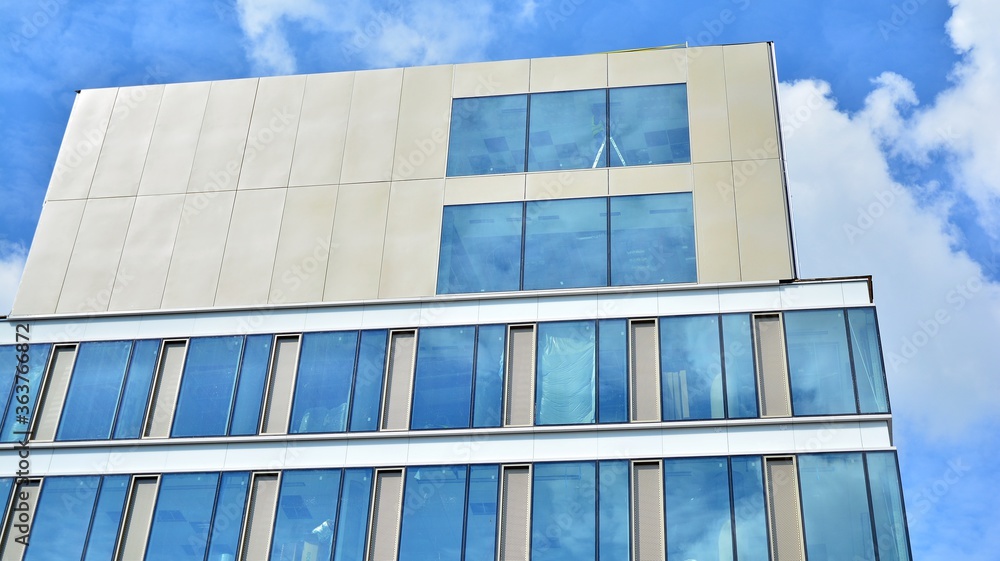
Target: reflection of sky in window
(649,125)
(62,516)
(487,135)
(567,130)
(835,509)
(207,386)
(819,365)
(323,383)
(433,514)
(691,368)
(442,385)
(563,522)
(652,239)
(94,389)
(699,521)
(565,243)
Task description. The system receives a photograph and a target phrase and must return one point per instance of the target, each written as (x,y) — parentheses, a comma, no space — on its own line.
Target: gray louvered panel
(281,384)
(399,380)
(772,375)
(260,517)
(644,379)
(783,506)
(515,514)
(13,550)
(138,519)
(647,512)
(168,382)
(54,395)
(520,394)
(386,514)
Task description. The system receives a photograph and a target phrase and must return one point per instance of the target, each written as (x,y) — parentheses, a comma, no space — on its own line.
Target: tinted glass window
(614,509)
(649,125)
(652,239)
(442,386)
(567,130)
(492,340)
(433,514)
(94,389)
(699,521)
(307,515)
(250,389)
(691,365)
(887,507)
(867,361)
(352,526)
(487,135)
(368,381)
(565,389)
(563,509)
(481,513)
(748,503)
(819,363)
(741,382)
(21,404)
(136,392)
(107,518)
(613,371)
(480,248)
(207,386)
(228,519)
(835,509)
(323,384)
(182,517)
(566,243)
(62,518)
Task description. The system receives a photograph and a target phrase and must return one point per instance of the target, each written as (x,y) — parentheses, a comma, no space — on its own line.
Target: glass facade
(487,135)
(434,507)
(94,391)
(208,386)
(566,387)
(699,513)
(324,381)
(563,512)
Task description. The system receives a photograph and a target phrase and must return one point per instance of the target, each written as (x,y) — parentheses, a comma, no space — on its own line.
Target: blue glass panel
(819,364)
(228,518)
(566,373)
(492,341)
(94,389)
(741,382)
(433,514)
(652,239)
(566,243)
(487,135)
(563,512)
(207,386)
(6,483)
(835,510)
(613,509)
(649,125)
(699,520)
(182,517)
(887,507)
(62,518)
(21,405)
(748,502)
(612,371)
(107,518)
(8,364)
(352,526)
(480,248)
(692,368)
(442,384)
(567,130)
(250,388)
(368,381)
(306,519)
(136,392)
(481,516)
(323,384)
(867,356)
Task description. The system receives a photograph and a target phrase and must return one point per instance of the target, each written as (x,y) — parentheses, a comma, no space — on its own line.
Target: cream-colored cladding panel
(491,78)
(319,144)
(567,184)
(640,180)
(484,189)
(356,246)
(303,245)
(569,73)
(424,117)
(175,138)
(90,275)
(267,160)
(248,263)
(371,129)
(142,271)
(753,124)
(718,243)
(81,145)
(412,239)
(708,113)
(197,257)
(762,219)
(653,66)
(219,156)
(119,168)
(51,250)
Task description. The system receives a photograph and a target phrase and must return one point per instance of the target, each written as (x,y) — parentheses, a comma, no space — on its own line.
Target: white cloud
(262,22)
(12,258)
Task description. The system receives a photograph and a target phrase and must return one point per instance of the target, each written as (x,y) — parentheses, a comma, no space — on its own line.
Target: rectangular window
(613,510)
(647,512)
(644,370)
(819,363)
(741,387)
(652,239)
(208,386)
(399,380)
(519,395)
(699,513)
(442,384)
(784,516)
(772,374)
(487,135)
(567,376)
(352,518)
(165,388)
(256,540)
(480,248)
(367,399)
(649,125)
(53,393)
(835,508)
(566,243)
(94,391)
(749,510)
(612,371)
(433,513)
(887,507)
(691,362)
(515,513)
(138,516)
(107,518)
(228,518)
(872,394)
(307,514)
(324,381)
(250,387)
(182,516)
(62,520)
(481,513)
(386,512)
(24,503)
(135,395)
(488,399)
(563,512)
(281,380)
(566,130)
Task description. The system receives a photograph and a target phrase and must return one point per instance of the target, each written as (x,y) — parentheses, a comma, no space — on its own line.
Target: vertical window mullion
(725,385)
(854,372)
(524,231)
(868,488)
(236,392)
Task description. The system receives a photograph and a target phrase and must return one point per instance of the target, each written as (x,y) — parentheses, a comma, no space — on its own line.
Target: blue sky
(889,111)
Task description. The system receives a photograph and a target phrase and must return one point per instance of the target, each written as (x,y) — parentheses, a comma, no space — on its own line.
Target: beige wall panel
(175,139)
(319,144)
(424,119)
(491,78)
(566,184)
(303,245)
(197,256)
(371,129)
(90,275)
(81,144)
(253,238)
(569,73)
(749,88)
(267,160)
(119,168)
(223,137)
(655,66)
(708,113)
(356,246)
(640,180)
(51,249)
(412,239)
(765,248)
(484,189)
(715,223)
(142,271)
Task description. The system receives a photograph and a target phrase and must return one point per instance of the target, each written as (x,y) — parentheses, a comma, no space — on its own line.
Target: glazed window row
(677,368)
(746,508)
